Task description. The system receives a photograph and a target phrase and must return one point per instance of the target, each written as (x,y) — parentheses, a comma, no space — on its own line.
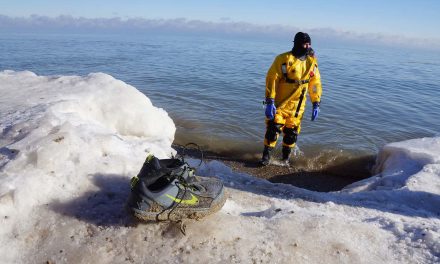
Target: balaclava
(298,49)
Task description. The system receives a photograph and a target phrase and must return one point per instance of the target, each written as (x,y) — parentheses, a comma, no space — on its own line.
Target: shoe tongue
(157,170)
(175,163)
(155,164)
(151,171)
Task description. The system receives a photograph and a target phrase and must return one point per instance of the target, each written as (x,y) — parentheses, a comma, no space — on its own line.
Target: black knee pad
(290,136)
(272,131)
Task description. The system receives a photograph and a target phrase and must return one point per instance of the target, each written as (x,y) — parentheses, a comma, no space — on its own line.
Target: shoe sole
(176,213)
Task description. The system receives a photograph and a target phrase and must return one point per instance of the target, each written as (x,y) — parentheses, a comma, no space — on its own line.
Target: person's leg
(270,140)
(289,139)
(290,134)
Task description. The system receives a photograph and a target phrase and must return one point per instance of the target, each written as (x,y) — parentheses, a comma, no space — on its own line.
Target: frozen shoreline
(70,145)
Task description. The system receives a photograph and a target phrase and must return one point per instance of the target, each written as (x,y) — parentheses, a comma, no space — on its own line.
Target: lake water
(214,88)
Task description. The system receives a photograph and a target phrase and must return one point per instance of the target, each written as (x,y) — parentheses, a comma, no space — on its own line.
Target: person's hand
(270,108)
(315,111)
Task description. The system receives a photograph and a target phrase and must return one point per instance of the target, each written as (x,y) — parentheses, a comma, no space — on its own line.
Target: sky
(395,17)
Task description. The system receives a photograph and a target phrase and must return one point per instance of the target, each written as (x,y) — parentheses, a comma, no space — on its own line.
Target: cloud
(374,38)
(225,27)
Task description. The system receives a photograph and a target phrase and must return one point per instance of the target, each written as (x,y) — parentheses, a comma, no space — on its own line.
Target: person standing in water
(291,75)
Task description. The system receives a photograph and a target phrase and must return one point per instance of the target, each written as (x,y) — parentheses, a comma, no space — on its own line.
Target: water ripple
(214,87)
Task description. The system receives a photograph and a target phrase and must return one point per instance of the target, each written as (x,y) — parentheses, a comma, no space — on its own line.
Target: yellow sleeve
(315,87)
(273,75)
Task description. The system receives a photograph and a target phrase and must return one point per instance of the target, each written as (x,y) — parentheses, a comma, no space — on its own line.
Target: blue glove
(270,108)
(315,111)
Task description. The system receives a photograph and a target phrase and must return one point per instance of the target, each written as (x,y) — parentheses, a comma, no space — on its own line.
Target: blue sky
(414,19)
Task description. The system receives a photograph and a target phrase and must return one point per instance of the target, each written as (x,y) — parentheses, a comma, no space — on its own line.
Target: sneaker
(176,194)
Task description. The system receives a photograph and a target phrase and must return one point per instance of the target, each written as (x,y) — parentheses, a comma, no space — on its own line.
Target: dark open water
(214,88)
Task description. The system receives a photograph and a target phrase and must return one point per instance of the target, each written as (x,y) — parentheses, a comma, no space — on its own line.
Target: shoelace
(184,183)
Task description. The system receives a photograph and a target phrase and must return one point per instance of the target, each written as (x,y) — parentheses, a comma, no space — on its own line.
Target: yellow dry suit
(287,81)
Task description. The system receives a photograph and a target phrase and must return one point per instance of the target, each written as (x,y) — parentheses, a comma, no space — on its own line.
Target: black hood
(298,49)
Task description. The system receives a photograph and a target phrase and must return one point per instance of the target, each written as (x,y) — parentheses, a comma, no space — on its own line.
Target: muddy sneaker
(163,193)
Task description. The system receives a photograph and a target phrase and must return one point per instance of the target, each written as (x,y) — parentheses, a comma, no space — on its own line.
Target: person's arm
(273,75)
(315,89)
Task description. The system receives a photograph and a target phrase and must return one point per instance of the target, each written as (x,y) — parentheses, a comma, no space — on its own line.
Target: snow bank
(70,144)
(57,132)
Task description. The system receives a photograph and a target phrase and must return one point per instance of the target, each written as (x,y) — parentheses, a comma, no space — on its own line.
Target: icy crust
(70,144)
(416,161)
(412,165)
(75,125)
(58,132)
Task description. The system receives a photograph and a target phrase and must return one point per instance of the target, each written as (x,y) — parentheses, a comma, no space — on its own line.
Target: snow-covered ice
(69,146)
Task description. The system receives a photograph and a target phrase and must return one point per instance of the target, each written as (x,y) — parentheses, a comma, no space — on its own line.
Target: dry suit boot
(286,153)
(168,190)
(266,155)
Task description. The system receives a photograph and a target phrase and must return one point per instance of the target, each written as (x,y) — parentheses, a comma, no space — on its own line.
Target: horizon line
(185,25)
